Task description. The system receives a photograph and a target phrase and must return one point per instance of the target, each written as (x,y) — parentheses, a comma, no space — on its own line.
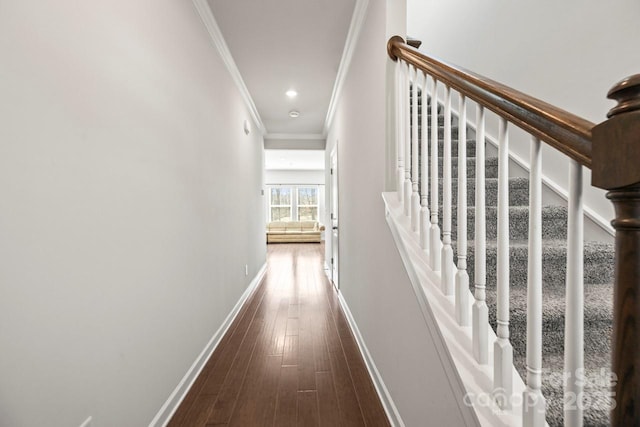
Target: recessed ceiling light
(292,93)
(294,114)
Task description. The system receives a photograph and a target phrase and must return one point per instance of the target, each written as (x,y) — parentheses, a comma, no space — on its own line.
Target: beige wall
(129,206)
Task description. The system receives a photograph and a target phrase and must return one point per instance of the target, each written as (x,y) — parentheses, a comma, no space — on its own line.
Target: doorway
(334,216)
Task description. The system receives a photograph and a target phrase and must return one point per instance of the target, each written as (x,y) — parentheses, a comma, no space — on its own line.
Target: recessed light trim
(291,93)
(294,114)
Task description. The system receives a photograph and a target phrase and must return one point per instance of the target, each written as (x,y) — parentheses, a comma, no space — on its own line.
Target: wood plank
(234,379)
(276,346)
(292,326)
(328,410)
(306,360)
(197,415)
(372,410)
(350,411)
(287,401)
(307,409)
(290,353)
(294,310)
(257,401)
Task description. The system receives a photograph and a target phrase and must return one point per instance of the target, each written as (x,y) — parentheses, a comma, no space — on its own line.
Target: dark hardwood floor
(289,358)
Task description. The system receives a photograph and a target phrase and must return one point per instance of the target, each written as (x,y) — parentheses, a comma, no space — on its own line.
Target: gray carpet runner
(598,290)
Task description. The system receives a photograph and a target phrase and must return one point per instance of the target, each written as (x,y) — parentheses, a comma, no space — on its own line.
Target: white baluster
(462,276)
(503,352)
(407,142)
(424,175)
(480,311)
(415,197)
(434,251)
(400,130)
(447,251)
(574,315)
(533,408)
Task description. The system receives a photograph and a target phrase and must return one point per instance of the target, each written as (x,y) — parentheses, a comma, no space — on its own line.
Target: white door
(334,216)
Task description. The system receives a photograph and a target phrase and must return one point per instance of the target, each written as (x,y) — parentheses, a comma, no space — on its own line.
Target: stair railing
(610,149)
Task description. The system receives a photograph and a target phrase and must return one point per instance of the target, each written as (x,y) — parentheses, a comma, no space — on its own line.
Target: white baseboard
(171,405)
(385,397)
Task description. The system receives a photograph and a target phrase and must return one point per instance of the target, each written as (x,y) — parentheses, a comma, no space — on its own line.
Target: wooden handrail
(562,130)
(611,150)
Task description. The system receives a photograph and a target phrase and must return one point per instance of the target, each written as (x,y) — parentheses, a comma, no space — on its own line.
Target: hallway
(289,358)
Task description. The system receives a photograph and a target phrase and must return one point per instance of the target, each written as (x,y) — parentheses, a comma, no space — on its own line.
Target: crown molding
(289,136)
(209,21)
(355,28)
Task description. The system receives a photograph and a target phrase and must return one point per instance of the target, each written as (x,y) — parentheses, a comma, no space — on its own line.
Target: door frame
(334,212)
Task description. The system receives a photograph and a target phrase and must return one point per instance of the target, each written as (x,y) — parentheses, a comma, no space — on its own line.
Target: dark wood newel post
(616,167)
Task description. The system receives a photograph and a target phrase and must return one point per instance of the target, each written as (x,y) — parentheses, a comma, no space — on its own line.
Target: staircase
(598,278)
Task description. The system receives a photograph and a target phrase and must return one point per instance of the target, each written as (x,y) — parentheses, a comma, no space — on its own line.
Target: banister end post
(390,45)
(615,167)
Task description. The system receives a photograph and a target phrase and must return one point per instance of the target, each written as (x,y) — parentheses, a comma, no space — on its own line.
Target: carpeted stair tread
(554,222)
(470,147)
(598,262)
(598,308)
(597,391)
(518,191)
(454,132)
(490,167)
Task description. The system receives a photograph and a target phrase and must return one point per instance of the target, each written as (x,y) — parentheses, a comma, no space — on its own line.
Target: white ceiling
(294,159)
(287,44)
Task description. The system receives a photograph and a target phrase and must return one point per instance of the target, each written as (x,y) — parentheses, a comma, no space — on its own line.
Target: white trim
(177,396)
(452,342)
(209,21)
(87,422)
(295,170)
(288,136)
(387,401)
(327,271)
(355,28)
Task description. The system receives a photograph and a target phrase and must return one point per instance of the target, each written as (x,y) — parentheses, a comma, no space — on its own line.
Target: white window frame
(298,205)
(294,200)
(292,194)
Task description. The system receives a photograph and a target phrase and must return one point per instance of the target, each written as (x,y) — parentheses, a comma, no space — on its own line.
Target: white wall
(313,177)
(372,277)
(129,205)
(294,144)
(568,53)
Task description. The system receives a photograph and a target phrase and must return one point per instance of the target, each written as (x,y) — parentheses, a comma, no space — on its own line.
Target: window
(294,203)
(280,204)
(307,203)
